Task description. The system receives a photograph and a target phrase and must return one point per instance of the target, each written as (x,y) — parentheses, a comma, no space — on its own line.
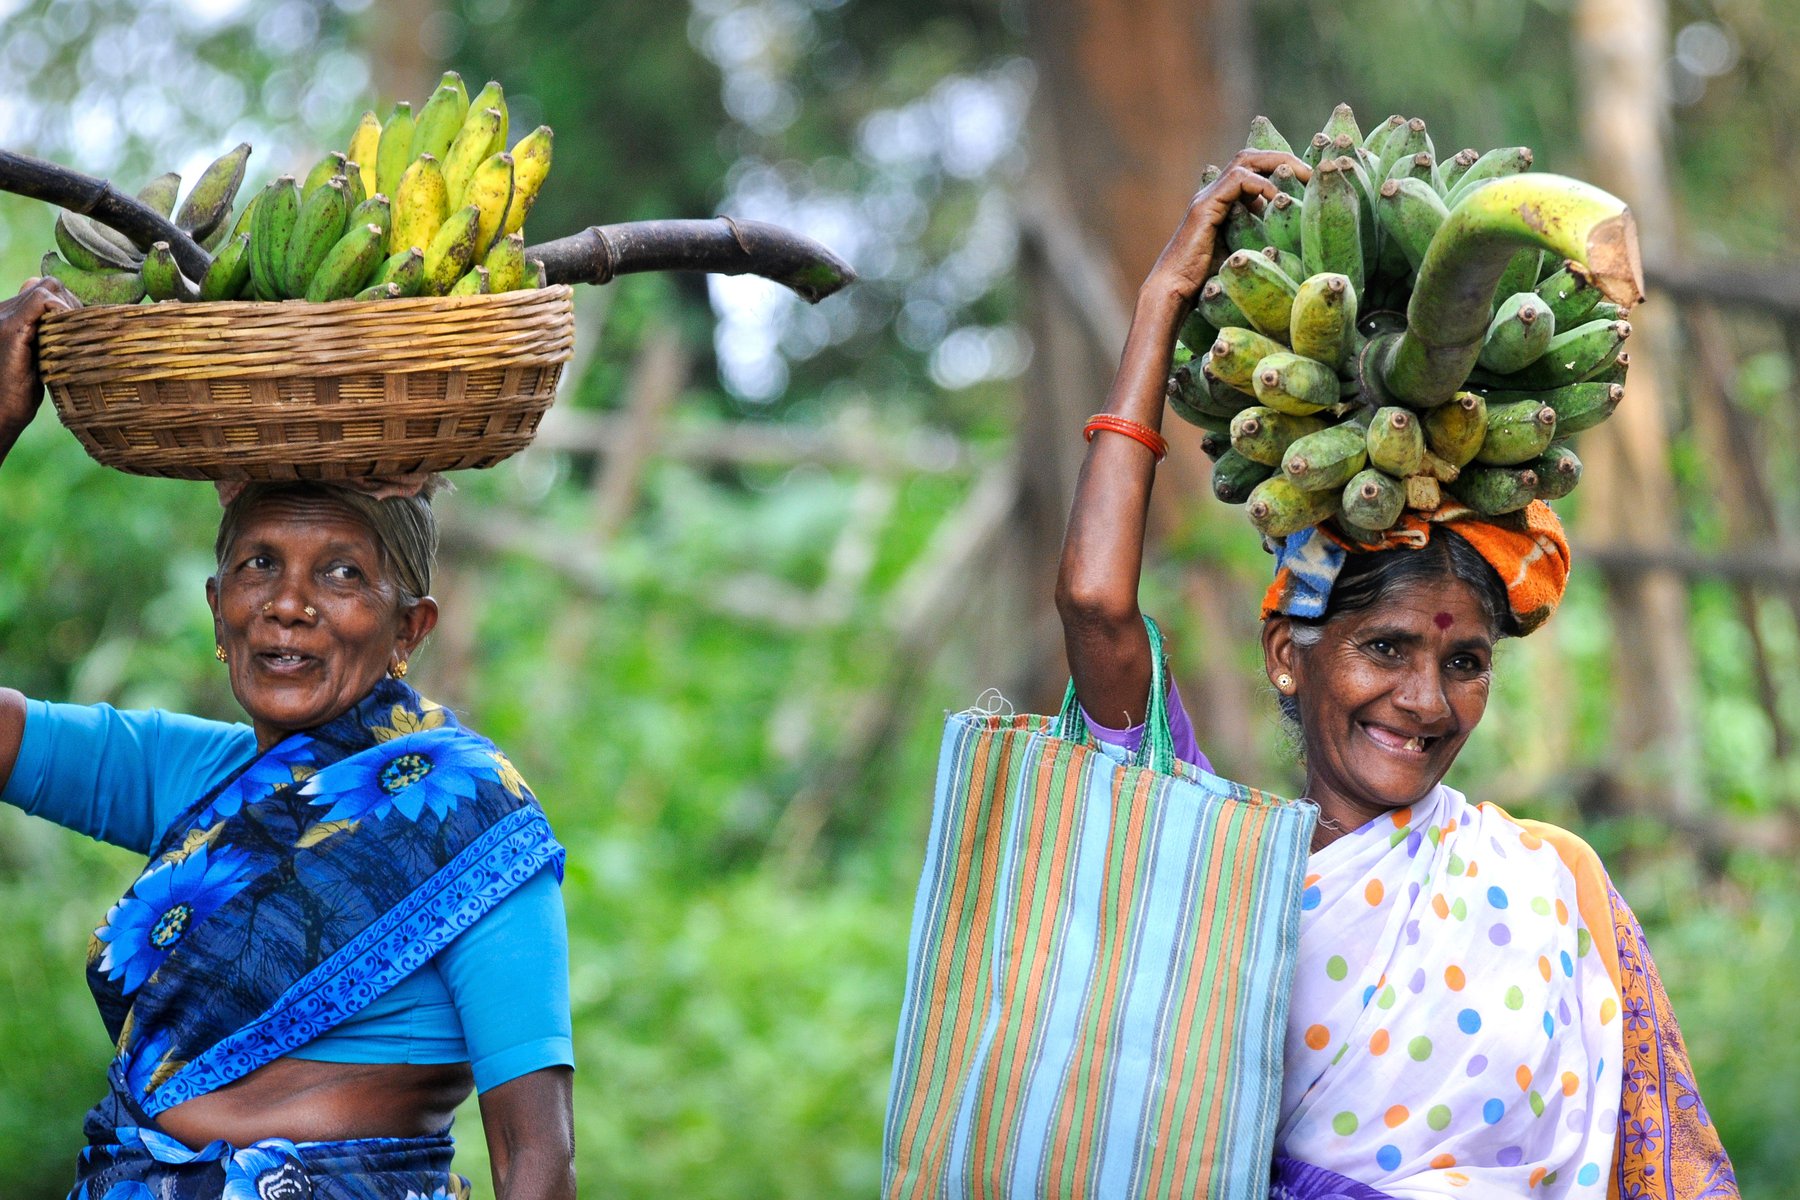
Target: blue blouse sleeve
(118,775)
(508,975)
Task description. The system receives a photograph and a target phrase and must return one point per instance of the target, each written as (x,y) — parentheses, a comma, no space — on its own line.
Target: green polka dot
(1399,835)
(1460,910)
(1419,1048)
(1336,967)
(1540,906)
(1537,1104)
(1439,1117)
(1550,1179)
(1583,941)
(1515,999)
(1339,1056)
(1456,865)
(1386,999)
(1436,834)
(1344,1124)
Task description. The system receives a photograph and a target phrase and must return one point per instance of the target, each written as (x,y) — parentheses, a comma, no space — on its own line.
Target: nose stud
(310,612)
(267,605)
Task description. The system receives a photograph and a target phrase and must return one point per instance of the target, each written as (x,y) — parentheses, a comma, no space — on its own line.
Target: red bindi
(1444,620)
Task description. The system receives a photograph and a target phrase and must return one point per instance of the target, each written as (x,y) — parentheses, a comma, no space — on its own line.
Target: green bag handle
(1158,749)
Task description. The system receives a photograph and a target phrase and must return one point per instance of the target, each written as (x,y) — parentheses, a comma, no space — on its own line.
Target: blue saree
(279,904)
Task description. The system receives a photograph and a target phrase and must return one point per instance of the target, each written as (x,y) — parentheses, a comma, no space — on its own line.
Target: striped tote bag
(1098,973)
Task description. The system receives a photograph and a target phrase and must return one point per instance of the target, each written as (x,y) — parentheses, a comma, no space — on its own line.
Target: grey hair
(405,527)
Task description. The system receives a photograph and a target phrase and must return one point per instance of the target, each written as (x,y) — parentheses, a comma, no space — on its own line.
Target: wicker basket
(308,391)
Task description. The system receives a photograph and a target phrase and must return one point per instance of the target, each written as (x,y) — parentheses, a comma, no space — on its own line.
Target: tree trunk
(1628,496)
(1133,99)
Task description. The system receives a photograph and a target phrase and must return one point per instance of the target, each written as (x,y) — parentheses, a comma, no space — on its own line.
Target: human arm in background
(21,391)
(1103,550)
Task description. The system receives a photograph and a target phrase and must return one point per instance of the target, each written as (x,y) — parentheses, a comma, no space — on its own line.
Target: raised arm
(21,392)
(1103,550)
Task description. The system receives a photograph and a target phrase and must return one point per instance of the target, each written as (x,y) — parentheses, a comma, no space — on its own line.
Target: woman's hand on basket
(1190,258)
(21,391)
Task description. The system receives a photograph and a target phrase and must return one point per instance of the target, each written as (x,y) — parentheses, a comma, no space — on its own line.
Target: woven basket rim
(182,311)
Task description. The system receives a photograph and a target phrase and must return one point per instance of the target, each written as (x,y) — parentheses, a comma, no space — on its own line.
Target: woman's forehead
(1448,604)
(289,514)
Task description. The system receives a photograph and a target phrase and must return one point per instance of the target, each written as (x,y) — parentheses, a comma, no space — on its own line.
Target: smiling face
(1387,696)
(307,615)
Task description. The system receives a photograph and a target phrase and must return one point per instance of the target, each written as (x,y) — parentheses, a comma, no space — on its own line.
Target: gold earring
(1284,681)
(219,652)
(398,670)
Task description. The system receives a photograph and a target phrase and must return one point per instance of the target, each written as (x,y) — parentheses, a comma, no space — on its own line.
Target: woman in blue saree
(350,915)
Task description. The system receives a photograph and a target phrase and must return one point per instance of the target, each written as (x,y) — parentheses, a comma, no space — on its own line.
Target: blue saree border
(485,872)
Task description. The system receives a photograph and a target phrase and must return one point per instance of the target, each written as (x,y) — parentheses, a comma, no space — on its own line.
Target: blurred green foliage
(734,1018)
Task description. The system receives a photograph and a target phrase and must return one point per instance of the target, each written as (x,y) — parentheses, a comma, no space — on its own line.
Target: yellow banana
(363,148)
(492,96)
(531,163)
(491,191)
(506,263)
(420,204)
(475,142)
(452,252)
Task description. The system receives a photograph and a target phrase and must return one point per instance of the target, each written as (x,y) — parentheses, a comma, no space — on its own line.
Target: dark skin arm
(21,391)
(1103,549)
(530,1124)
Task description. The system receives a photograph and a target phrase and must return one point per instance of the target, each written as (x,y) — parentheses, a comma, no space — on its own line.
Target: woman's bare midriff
(306,1101)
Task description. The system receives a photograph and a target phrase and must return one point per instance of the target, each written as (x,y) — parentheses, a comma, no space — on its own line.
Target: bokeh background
(716,615)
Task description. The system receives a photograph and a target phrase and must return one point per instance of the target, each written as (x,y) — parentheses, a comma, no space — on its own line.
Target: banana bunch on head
(431,205)
(1397,333)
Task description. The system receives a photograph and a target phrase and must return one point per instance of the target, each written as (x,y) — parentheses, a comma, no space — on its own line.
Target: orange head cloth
(1526,548)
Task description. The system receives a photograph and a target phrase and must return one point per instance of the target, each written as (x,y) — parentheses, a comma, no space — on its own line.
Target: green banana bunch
(1515,289)
(432,203)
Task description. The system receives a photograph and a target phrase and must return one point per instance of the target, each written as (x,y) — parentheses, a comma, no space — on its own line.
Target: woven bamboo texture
(346,390)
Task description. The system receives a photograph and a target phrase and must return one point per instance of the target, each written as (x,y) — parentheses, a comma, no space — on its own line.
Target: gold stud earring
(219,653)
(398,670)
(1284,681)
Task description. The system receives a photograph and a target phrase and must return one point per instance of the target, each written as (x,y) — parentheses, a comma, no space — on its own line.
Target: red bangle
(1137,432)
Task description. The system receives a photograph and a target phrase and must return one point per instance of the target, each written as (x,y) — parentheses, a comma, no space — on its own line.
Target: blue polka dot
(1510,1156)
(1492,1111)
(1588,1176)
(1388,1157)
(1309,899)
(1468,1020)
(1568,963)
(1497,897)
(1549,1026)
(1368,994)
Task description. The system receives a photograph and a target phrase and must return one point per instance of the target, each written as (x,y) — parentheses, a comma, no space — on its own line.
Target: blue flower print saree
(280,904)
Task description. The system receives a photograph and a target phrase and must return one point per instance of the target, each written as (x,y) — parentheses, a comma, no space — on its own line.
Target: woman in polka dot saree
(1474,1011)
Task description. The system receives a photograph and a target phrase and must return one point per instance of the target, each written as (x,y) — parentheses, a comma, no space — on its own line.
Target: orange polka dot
(1458,1179)
(1379,1043)
(1450,826)
(1562,913)
(1529,840)
(1537,1176)
(1317,1037)
(1443,1162)
(1309,881)
(1571,1083)
(1471,870)
(1440,906)
(1400,816)
(1608,1010)
(1396,1116)
(1454,978)
(1373,893)
(1523,1075)
(1544,966)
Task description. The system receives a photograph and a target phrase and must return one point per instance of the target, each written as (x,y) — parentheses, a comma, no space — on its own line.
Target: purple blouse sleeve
(1181,729)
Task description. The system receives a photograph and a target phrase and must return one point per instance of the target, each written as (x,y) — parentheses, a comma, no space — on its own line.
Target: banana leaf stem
(720,246)
(52,183)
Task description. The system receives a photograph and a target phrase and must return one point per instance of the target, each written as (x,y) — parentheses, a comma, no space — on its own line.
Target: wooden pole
(1628,495)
